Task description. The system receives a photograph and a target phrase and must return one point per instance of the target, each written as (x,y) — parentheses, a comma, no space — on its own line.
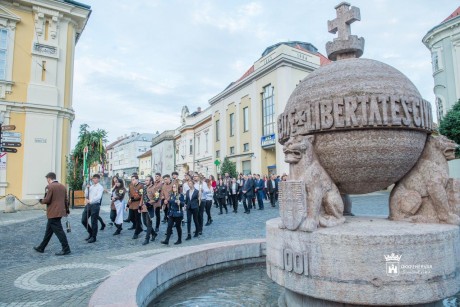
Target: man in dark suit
(272,187)
(259,186)
(56,207)
(248,193)
(192,204)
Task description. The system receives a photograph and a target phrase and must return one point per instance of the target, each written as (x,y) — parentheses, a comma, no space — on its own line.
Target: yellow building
(145,164)
(244,115)
(37,45)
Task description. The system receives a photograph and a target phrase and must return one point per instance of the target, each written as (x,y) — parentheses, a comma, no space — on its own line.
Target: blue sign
(268,140)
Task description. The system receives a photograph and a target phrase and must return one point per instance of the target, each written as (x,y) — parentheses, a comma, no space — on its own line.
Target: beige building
(37,47)
(244,115)
(145,164)
(163,155)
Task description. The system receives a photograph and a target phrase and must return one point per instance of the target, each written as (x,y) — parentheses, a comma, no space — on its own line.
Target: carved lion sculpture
(426,194)
(324,205)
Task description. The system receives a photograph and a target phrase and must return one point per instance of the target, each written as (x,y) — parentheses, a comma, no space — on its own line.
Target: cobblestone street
(33,279)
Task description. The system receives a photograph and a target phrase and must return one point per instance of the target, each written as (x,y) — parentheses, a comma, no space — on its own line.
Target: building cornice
(195,125)
(435,31)
(283,60)
(25,107)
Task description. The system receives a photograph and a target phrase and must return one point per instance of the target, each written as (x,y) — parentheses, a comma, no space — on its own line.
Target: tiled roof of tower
(453,15)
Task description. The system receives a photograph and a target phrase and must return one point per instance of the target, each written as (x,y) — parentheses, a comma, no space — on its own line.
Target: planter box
(78,198)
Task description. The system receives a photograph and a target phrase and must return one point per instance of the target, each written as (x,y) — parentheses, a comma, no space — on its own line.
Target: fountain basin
(142,282)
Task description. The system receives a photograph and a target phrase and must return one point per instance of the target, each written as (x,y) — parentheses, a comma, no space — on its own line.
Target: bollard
(9,204)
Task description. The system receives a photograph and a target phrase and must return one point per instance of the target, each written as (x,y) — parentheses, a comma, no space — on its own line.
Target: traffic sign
(6,149)
(11,144)
(8,139)
(8,127)
(11,134)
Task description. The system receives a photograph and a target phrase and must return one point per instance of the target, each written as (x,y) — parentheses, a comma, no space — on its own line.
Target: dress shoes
(38,249)
(126,221)
(145,242)
(189,237)
(135,237)
(207,223)
(102,227)
(200,233)
(117,232)
(154,235)
(195,235)
(89,237)
(165,242)
(92,240)
(131,228)
(220,213)
(63,252)
(177,242)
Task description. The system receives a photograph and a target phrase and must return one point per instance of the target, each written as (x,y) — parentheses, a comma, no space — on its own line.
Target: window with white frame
(217,131)
(232,150)
(207,142)
(268,111)
(3,53)
(198,145)
(191,147)
(246,119)
(232,124)
(246,147)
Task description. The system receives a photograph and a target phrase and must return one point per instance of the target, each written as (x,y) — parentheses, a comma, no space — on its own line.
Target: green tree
(94,140)
(228,167)
(450,125)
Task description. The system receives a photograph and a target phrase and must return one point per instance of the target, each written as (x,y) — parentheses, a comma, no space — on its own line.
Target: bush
(450,126)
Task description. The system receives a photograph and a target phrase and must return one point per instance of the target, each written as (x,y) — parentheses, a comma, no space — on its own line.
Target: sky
(137,63)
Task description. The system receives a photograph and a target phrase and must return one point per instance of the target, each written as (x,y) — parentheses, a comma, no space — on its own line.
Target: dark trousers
(91,210)
(234,199)
(54,226)
(247,202)
(113,215)
(147,217)
(130,217)
(272,198)
(260,199)
(192,212)
(216,203)
(165,211)
(222,204)
(157,216)
(174,221)
(200,214)
(137,221)
(208,206)
(253,200)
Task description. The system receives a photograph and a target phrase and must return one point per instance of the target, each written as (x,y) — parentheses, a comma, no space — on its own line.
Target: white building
(163,155)
(444,43)
(124,159)
(194,142)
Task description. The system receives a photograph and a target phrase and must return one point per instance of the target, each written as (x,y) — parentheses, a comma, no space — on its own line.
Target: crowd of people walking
(172,201)
(159,199)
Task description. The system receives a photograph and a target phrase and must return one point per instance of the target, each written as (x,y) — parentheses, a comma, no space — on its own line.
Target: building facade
(444,43)
(37,46)
(194,142)
(125,154)
(145,164)
(244,115)
(163,154)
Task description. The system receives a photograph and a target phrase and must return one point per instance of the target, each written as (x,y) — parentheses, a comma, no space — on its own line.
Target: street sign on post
(11,134)
(8,127)
(11,144)
(6,149)
(8,139)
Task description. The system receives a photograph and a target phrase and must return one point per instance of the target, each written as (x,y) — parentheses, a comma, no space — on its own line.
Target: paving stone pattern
(29,278)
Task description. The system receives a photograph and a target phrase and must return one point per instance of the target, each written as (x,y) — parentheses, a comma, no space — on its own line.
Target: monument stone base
(365,261)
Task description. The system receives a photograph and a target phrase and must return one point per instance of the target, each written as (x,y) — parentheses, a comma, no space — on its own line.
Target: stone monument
(352,127)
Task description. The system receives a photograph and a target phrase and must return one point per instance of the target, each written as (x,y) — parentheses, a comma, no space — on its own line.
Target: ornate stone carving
(324,205)
(427,194)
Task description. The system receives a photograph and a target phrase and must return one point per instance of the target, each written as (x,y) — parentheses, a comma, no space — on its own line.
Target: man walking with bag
(57,206)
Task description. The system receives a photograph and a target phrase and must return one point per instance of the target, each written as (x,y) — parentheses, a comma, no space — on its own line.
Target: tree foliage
(229,167)
(94,140)
(450,125)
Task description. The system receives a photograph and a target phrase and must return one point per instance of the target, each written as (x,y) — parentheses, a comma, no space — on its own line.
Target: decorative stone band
(355,112)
